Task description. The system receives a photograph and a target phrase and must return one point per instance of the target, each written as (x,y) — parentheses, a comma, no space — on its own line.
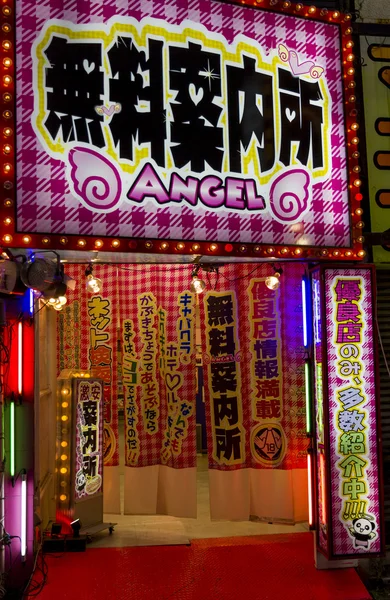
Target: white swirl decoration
(289,195)
(316,72)
(95,180)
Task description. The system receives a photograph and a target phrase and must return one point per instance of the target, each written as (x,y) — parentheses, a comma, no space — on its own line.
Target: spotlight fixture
(273,281)
(46,276)
(94,284)
(197,285)
(76,526)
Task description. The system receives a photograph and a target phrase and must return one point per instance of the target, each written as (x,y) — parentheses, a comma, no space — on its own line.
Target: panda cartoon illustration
(362,531)
(80,481)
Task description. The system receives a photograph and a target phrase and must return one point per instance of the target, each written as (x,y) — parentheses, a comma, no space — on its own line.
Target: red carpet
(274,567)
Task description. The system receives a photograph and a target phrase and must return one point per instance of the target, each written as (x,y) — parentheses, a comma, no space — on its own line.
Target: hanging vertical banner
(223,358)
(69,336)
(87,339)
(102,346)
(350,434)
(268,445)
(158,365)
(89,439)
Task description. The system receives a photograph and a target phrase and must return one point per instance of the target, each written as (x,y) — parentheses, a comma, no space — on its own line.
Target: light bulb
(273,281)
(62,300)
(197,285)
(94,284)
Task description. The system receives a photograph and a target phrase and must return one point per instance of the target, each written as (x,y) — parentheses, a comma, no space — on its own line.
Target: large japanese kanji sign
(221,123)
(348,444)
(88,422)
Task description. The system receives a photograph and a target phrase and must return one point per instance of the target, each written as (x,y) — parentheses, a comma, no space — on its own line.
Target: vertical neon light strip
(12,438)
(323,495)
(309,489)
(20,359)
(308,398)
(31,302)
(23,517)
(304,312)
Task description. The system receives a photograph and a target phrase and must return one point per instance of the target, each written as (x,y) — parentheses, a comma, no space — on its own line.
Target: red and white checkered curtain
(157,329)
(145,315)
(253,359)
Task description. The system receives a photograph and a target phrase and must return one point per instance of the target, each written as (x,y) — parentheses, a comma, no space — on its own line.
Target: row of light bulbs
(198,286)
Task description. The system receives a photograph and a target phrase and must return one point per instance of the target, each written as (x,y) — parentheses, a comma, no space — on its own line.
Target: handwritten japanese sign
(129,379)
(172,356)
(355,478)
(89,439)
(192,114)
(100,361)
(224,378)
(150,397)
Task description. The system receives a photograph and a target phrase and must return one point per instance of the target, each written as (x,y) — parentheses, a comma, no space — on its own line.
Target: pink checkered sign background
(69,181)
(355,486)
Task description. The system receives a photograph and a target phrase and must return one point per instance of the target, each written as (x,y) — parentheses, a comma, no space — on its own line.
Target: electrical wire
(259,266)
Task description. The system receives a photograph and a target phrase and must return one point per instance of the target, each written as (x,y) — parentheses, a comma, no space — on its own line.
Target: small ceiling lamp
(197,285)
(94,284)
(273,281)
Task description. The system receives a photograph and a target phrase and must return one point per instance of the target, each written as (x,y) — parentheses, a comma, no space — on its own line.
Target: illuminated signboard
(349,474)
(162,124)
(89,439)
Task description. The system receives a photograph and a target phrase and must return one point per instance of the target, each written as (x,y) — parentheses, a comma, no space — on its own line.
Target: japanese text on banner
(88,479)
(267,439)
(353,440)
(130,378)
(147,312)
(172,355)
(223,356)
(100,360)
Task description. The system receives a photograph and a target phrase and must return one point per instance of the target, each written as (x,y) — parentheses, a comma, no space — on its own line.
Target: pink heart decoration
(299,69)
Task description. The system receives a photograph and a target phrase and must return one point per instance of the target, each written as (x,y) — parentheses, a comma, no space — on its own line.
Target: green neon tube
(12,437)
(308,399)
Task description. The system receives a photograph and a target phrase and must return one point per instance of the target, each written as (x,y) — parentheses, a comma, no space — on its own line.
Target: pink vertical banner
(355,522)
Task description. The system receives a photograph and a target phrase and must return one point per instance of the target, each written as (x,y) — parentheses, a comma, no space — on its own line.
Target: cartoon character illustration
(80,481)
(362,531)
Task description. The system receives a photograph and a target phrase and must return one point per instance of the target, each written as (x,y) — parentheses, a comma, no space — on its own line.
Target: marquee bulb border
(11,238)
